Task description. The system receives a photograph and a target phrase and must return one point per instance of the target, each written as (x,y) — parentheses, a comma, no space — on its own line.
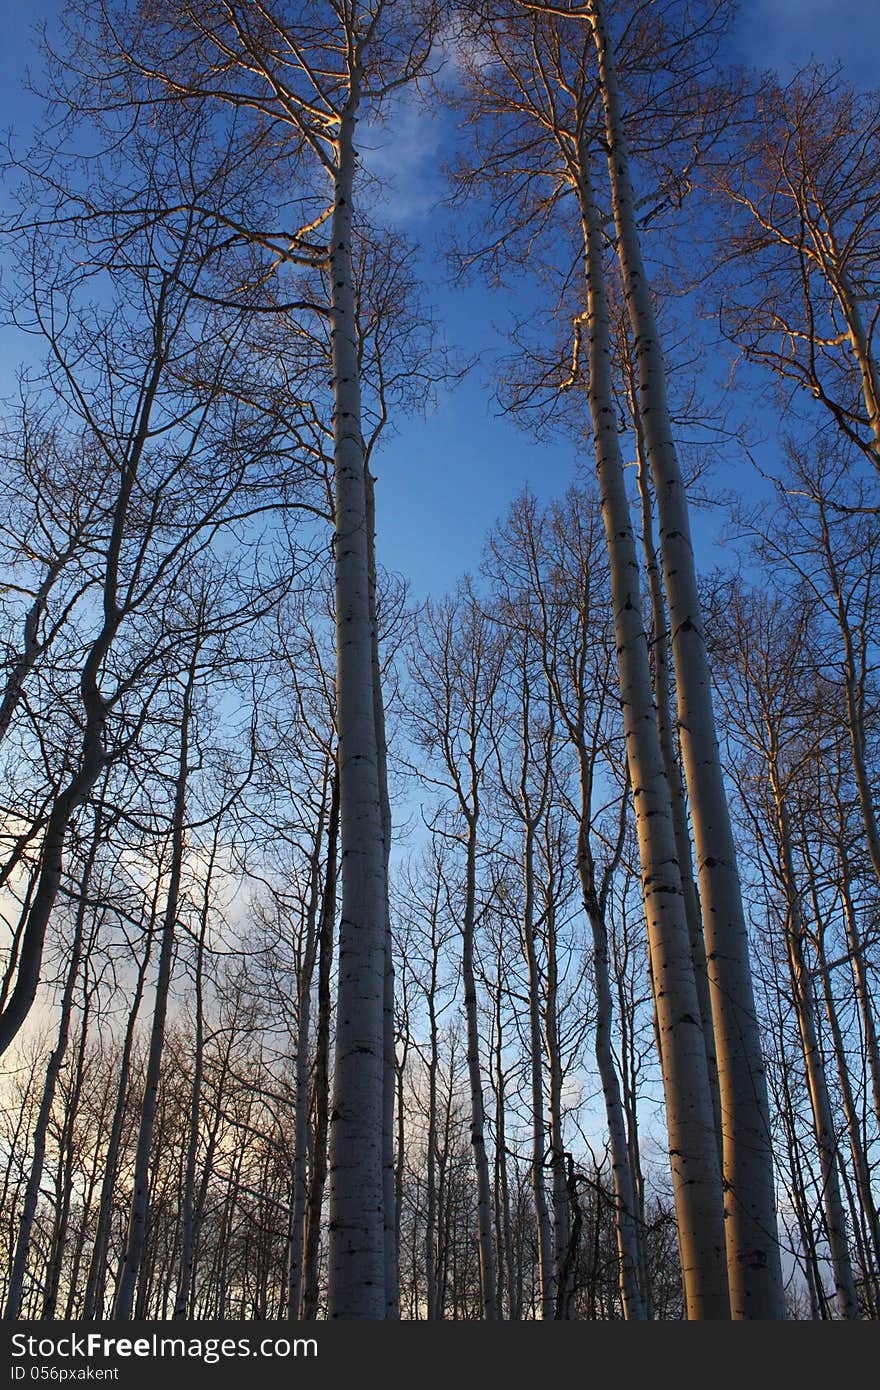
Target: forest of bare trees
(506,953)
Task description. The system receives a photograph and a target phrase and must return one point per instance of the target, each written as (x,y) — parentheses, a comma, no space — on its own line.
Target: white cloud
(403,153)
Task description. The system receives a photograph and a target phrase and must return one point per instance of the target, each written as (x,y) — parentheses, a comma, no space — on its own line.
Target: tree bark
(754,1268)
(660,672)
(692,1148)
(357,1122)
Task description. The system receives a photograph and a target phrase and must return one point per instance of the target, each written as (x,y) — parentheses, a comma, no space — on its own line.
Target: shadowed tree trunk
(692,1147)
(754,1267)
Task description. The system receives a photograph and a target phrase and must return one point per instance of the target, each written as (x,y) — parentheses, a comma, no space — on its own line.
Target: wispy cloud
(404,155)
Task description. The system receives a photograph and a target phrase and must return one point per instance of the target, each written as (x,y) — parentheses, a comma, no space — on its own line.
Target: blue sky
(445,479)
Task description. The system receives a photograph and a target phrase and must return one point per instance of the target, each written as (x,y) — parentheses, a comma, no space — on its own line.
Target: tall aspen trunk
(864,1210)
(430,1247)
(356,1288)
(660,672)
(300,1155)
(74,1286)
(754,1267)
(629,1080)
(200,1196)
(692,1149)
(135,1242)
(812,1273)
(443,1220)
(390,1181)
(628,1243)
(187,1232)
(787,1109)
(398,1169)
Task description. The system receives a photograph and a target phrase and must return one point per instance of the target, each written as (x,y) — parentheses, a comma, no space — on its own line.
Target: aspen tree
(545,69)
(837,555)
(863,1210)
(833,557)
(750,1221)
(309,78)
(693,1153)
(660,673)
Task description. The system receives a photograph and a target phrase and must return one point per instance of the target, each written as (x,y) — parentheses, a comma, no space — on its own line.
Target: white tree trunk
(660,649)
(755,1272)
(357,1197)
(390,1178)
(692,1149)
